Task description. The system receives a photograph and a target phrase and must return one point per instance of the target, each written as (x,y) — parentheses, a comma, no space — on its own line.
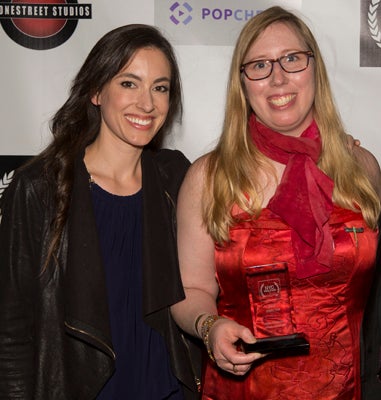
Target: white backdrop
(34,83)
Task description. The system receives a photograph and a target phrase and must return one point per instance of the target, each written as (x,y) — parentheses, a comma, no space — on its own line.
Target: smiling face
(283,101)
(134,104)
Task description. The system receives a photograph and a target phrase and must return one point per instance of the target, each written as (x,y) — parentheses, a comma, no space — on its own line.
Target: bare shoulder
(196,173)
(369,162)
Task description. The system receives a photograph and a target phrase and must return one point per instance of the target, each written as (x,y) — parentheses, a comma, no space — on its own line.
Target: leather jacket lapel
(86,314)
(161,278)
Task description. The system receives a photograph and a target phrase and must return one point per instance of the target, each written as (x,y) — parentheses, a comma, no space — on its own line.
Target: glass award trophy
(272,312)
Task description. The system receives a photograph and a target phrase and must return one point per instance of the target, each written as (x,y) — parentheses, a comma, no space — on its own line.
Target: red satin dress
(328,309)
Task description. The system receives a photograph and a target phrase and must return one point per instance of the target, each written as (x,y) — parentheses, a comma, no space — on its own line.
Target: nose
(279,75)
(145,101)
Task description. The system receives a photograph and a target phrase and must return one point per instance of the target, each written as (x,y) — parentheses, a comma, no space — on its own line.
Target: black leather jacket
(371,337)
(55,340)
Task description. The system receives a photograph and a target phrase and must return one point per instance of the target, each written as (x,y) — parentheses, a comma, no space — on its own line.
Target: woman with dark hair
(280,192)
(87,238)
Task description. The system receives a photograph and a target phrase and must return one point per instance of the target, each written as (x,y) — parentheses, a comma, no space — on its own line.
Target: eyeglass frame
(309,53)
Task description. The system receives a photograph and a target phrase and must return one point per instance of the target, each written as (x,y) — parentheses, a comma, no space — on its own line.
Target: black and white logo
(370,40)
(41,25)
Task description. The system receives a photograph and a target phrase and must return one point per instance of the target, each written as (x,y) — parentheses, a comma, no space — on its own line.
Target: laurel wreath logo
(372,22)
(4,183)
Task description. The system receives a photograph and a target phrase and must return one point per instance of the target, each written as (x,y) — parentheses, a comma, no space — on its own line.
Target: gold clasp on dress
(355,232)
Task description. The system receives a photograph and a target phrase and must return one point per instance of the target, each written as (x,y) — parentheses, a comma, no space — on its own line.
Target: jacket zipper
(170,199)
(196,378)
(94,338)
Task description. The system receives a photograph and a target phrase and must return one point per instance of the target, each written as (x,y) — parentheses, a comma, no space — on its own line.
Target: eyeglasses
(291,63)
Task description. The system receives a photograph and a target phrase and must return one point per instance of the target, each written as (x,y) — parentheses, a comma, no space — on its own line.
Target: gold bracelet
(205,329)
(196,322)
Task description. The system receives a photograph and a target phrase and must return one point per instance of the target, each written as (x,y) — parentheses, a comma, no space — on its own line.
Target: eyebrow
(137,77)
(284,53)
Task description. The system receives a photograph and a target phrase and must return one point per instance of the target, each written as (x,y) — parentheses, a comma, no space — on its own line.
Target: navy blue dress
(142,371)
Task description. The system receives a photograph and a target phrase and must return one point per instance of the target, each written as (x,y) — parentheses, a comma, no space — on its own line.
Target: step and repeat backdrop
(43,44)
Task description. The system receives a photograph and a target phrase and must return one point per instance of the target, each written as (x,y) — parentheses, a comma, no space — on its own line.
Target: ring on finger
(234,368)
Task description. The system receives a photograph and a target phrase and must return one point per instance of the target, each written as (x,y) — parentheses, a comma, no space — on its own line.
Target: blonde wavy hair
(232,167)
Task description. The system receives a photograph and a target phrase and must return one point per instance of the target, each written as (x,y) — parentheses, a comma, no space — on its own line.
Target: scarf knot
(303,198)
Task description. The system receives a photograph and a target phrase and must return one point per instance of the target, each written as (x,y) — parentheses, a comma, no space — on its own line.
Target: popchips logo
(40,26)
(228,13)
(181,13)
(209,22)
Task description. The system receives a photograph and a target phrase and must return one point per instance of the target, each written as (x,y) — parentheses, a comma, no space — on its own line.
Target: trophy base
(294,344)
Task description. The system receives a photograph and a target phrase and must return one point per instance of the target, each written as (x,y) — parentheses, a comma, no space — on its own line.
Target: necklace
(91,180)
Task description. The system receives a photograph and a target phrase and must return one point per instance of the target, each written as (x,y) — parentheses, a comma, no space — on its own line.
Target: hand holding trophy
(272,312)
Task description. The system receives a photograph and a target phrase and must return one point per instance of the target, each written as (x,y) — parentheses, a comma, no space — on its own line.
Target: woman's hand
(352,142)
(223,338)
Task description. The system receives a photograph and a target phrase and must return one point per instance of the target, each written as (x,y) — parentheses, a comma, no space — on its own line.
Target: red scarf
(303,198)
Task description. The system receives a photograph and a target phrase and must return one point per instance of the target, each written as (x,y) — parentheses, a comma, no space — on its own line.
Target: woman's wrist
(197,323)
(206,326)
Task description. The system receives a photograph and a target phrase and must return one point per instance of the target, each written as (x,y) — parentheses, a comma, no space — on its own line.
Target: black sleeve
(371,338)
(20,230)
(173,166)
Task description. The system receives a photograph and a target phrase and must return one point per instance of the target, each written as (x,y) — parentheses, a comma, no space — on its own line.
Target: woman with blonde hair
(280,190)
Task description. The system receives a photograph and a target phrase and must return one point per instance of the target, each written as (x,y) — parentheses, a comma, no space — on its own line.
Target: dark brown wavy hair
(77,122)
